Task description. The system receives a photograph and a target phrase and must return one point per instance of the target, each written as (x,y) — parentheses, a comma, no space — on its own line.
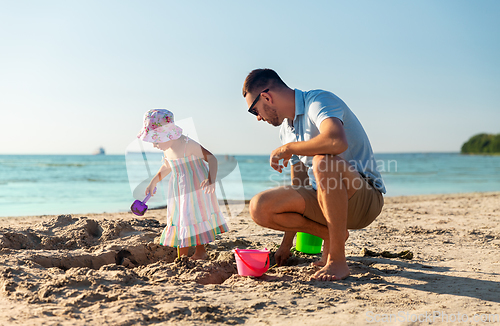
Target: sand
(109,269)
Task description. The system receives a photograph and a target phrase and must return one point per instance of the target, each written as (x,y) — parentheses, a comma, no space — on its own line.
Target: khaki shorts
(363,207)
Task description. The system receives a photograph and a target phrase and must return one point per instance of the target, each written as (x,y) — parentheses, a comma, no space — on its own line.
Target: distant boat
(99,151)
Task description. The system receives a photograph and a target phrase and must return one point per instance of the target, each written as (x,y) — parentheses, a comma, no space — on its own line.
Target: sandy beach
(109,269)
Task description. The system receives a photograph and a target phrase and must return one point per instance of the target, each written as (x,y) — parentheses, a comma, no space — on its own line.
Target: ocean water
(78,184)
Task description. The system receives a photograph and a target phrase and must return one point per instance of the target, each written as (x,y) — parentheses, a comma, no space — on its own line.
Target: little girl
(193,214)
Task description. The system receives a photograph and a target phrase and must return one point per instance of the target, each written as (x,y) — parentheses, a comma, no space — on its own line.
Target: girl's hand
(151,189)
(208,187)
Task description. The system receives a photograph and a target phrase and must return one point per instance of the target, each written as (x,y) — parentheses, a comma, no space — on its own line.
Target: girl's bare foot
(324,255)
(199,257)
(200,253)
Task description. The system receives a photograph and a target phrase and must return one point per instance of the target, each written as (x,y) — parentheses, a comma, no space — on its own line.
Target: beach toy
(251,262)
(308,243)
(139,207)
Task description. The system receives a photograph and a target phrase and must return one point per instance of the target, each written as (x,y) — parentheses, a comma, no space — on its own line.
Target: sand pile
(73,265)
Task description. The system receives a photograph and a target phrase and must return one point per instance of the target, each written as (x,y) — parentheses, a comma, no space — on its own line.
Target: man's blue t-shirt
(311,108)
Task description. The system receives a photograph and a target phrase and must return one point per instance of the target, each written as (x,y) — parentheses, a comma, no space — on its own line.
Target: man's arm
(331,140)
(299,174)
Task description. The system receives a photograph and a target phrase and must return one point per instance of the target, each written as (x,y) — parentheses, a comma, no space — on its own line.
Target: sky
(421,76)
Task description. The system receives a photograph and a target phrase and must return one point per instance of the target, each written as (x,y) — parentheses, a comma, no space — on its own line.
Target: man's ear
(267,97)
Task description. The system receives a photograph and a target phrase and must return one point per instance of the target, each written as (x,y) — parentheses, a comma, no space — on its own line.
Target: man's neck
(289,104)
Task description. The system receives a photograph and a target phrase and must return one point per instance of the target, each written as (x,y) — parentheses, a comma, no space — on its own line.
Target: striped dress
(193,217)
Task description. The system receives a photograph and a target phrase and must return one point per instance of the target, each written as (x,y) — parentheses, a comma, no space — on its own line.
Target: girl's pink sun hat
(159,127)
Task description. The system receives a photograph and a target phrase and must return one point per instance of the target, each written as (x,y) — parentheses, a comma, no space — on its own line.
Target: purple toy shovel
(139,207)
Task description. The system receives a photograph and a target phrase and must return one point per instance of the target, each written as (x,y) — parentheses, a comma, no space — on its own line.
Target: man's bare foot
(319,263)
(324,255)
(332,272)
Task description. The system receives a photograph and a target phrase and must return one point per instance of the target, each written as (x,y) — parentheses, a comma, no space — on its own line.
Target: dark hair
(260,79)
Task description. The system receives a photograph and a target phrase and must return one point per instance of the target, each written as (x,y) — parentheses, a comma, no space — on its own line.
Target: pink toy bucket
(251,262)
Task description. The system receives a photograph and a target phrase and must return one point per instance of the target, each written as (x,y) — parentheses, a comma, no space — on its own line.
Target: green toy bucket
(308,244)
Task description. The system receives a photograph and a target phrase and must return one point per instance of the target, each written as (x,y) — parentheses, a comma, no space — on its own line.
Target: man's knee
(333,172)
(257,208)
(326,163)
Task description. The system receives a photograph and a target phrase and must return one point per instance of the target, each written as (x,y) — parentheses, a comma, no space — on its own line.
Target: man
(335,182)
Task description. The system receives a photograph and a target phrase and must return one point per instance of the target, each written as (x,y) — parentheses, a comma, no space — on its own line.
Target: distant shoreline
(480,154)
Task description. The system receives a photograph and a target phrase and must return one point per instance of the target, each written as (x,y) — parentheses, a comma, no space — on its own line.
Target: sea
(34,185)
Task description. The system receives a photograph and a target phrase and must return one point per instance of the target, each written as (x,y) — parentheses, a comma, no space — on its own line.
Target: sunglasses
(251,109)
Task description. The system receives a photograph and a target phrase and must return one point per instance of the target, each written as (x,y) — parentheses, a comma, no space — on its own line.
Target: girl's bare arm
(212,164)
(164,170)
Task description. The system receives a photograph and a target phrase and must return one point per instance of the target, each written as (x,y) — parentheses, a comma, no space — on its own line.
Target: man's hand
(282,255)
(280,153)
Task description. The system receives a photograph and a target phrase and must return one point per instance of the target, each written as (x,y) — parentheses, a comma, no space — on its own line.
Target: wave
(38,164)
(58,165)
(6,182)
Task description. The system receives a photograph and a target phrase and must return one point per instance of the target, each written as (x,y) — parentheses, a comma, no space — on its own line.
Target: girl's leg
(200,253)
(183,251)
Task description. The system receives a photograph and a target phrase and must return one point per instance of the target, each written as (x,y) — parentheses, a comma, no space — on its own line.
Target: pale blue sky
(75,75)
